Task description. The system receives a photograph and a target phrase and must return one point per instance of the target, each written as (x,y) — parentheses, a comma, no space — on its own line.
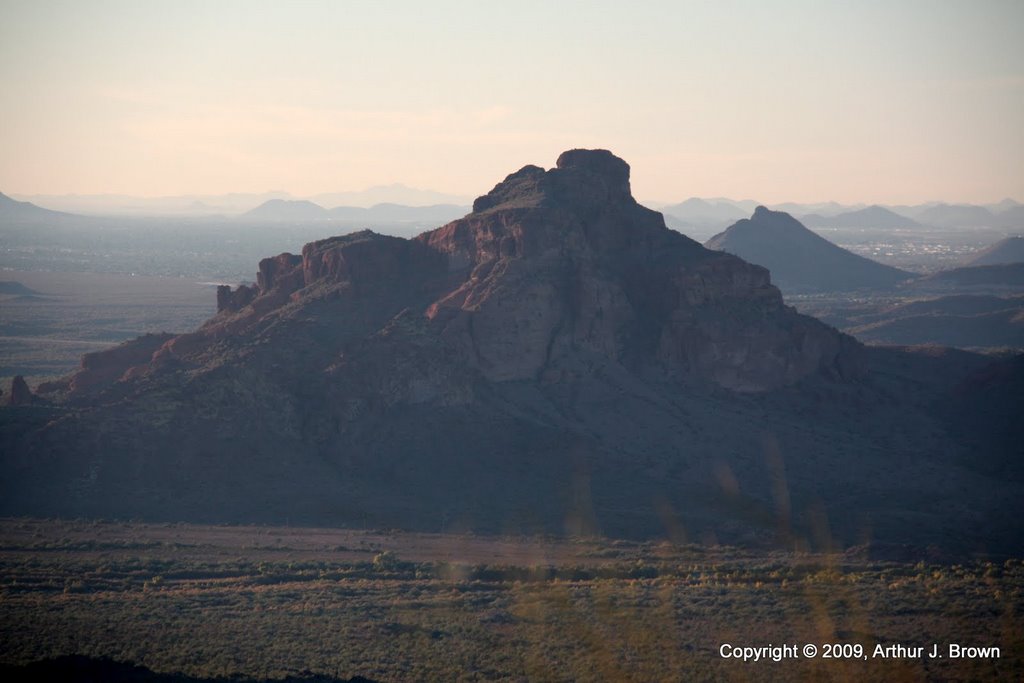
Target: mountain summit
(557,360)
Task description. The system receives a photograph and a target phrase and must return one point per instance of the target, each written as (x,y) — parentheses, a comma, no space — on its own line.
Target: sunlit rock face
(564,262)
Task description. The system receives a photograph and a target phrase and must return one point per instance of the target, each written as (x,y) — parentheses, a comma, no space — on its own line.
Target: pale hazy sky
(854,101)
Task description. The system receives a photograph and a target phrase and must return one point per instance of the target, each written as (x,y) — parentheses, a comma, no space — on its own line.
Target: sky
(873,102)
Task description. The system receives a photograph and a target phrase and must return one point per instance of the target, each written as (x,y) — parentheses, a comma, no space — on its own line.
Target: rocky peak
(580,209)
(778,220)
(593,176)
(581,177)
(21,394)
(564,262)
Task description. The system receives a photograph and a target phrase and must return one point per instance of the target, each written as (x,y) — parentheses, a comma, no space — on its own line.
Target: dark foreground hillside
(80,669)
(244,603)
(557,361)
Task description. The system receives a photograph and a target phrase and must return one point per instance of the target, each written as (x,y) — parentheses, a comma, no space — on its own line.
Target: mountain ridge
(556,361)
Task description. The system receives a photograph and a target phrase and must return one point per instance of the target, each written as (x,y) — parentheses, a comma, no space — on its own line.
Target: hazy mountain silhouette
(286,210)
(281,210)
(233,203)
(1011,218)
(131,206)
(556,361)
(957,216)
(821,208)
(871,217)
(395,193)
(399,213)
(707,211)
(1009,250)
(13,288)
(799,259)
(12,211)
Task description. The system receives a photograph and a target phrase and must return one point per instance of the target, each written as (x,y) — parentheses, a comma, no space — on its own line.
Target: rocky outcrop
(100,369)
(557,359)
(554,271)
(563,262)
(20,394)
(232,300)
(280,273)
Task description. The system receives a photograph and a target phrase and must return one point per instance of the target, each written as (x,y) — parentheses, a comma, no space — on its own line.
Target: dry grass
(269,601)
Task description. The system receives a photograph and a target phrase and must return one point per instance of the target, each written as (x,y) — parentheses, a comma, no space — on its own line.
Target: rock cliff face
(553,272)
(555,360)
(562,263)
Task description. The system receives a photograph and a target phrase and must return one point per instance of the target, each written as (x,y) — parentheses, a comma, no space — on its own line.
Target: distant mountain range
(702,211)
(799,259)
(400,217)
(302,210)
(957,216)
(698,215)
(701,215)
(870,217)
(236,202)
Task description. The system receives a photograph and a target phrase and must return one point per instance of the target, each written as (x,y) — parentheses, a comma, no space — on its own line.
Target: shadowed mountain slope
(800,260)
(1009,250)
(961,321)
(13,211)
(555,361)
(1003,275)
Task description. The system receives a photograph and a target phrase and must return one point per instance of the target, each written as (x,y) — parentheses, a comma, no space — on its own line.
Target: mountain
(557,361)
(398,213)
(1000,276)
(800,260)
(702,218)
(286,210)
(871,217)
(236,202)
(13,288)
(957,216)
(822,208)
(395,193)
(1009,250)
(183,205)
(964,321)
(1004,205)
(706,211)
(1011,218)
(12,211)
